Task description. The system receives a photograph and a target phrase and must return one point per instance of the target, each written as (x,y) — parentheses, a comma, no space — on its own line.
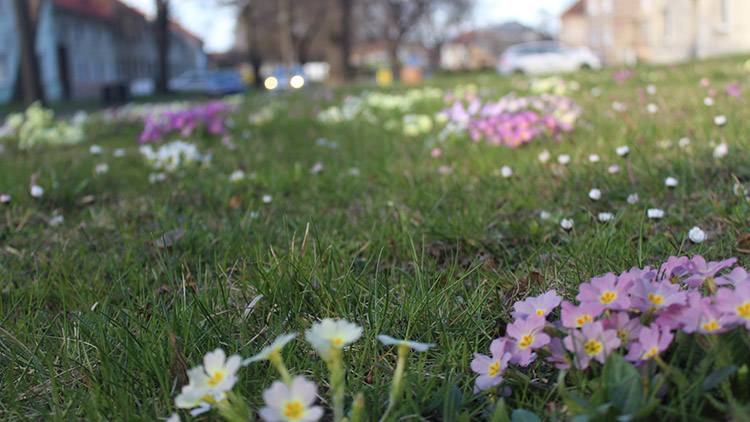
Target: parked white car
(546,57)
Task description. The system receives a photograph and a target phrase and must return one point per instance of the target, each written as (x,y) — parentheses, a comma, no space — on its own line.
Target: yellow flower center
(608,297)
(582,319)
(592,347)
(337,341)
(655,299)
(526,341)
(494,368)
(622,335)
(540,312)
(216,378)
(651,353)
(711,326)
(744,310)
(293,409)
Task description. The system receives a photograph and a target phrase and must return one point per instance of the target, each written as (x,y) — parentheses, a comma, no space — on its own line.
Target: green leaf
(522,415)
(501,412)
(628,395)
(452,403)
(718,376)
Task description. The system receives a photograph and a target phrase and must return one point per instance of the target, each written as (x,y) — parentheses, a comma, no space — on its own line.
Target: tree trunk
(285,32)
(393,45)
(162,45)
(31,87)
(346,38)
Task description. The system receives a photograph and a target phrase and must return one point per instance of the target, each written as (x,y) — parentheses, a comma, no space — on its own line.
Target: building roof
(578,8)
(103,9)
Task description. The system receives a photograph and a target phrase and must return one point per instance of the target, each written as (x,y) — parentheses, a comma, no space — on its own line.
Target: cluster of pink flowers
(621,76)
(513,121)
(185,121)
(636,313)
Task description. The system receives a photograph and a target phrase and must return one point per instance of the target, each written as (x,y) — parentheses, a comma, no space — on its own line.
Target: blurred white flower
(655,213)
(633,199)
(670,182)
(720,120)
(697,235)
(593,158)
(56,220)
(544,156)
(506,172)
(414,345)
(237,176)
(623,151)
(37,191)
(329,335)
(354,171)
(595,194)
(595,91)
(267,199)
(4,198)
(119,152)
(721,150)
(651,89)
(544,215)
(157,177)
(605,216)
(566,223)
(652,108)
(317,168)
(684,142)
(95,149)
(614,168)
(101,168)
(563,159)
(708,101)
(618,106)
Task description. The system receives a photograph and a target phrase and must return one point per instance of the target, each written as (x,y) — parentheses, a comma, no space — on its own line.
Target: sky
(215,25)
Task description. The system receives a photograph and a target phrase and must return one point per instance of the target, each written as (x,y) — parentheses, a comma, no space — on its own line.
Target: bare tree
(161,33)
(31,87)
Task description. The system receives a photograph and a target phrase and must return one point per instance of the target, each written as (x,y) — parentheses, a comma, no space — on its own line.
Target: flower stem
(337,385)
(396,385)
(278,362)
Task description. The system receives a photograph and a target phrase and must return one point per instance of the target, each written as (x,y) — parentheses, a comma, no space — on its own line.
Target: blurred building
(86,45)
(481,48)
(659,31)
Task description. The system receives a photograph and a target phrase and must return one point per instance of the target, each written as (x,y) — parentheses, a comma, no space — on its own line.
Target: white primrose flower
(652,108)
(613,169)
(237,176)
(328,336)
(291,403)
(697,235)
(721,150)
(566,223)
(544,156)
(683,142)
(708,101)
(623,151)
(720,120)
(209,382)
(354,171)
(317,168)
(506,172)
(37,191)
(95,150)
(595,194)
(633,199)
(545,215)
(593,158)
(655,213)
(56,220)
(4,198)
(273,349)
(414,345)
(267,199)
(670,182)
(119,152)
(563,159)
(651,89)
(101,168)
(605,216)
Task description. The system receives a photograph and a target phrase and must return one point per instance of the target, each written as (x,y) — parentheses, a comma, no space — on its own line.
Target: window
(724,18)
(4,72)
(593,7)
(607,6)
(668,27)
(608,37)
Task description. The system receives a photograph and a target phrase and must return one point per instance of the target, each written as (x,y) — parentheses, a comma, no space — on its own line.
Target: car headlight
(271,83)
(297,82)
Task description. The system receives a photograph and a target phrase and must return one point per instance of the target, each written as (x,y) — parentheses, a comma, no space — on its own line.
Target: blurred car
(221,82)
(546,57)
(285,77)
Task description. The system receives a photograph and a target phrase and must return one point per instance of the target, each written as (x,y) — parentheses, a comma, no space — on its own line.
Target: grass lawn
(97,322)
